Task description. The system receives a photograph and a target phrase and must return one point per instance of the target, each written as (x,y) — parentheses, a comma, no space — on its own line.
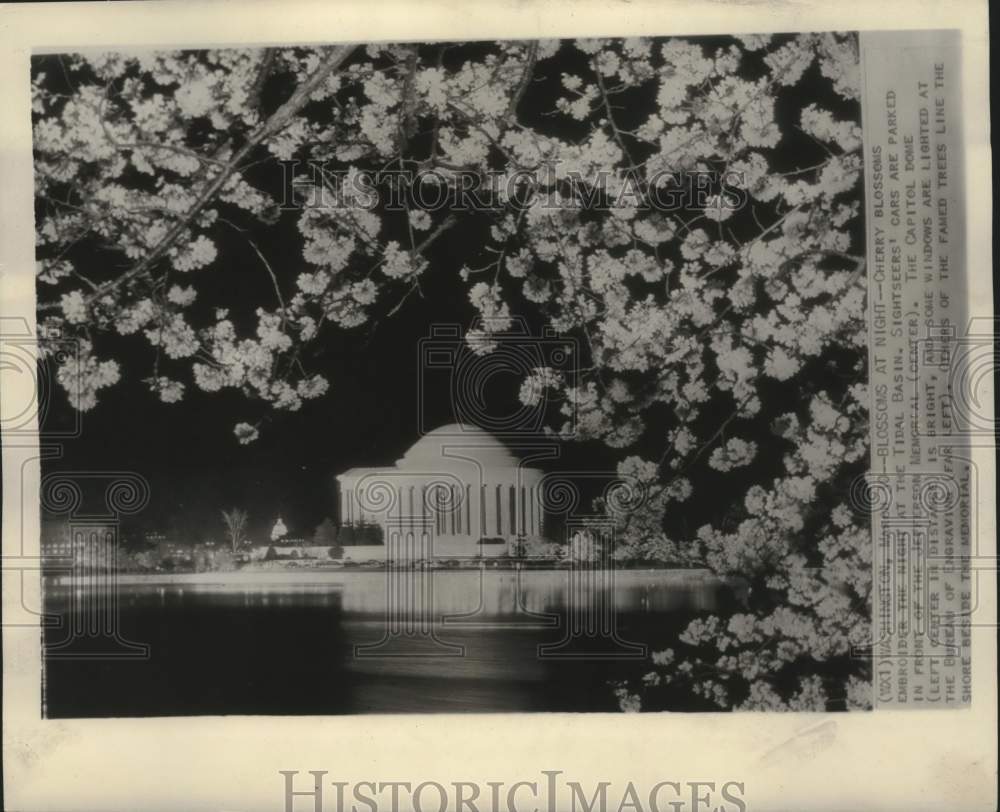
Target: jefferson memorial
(458,492)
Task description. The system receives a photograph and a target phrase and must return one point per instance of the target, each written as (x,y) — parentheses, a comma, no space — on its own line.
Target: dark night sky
(370,415)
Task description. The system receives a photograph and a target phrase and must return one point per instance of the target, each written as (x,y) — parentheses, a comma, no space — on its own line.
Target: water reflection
(357,642)
(494,593)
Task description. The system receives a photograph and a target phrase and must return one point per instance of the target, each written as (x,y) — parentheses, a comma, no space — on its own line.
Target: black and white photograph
(488,376)
(435,376)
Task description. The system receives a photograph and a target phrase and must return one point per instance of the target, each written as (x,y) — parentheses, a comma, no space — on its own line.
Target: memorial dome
(458,491)
(458,441)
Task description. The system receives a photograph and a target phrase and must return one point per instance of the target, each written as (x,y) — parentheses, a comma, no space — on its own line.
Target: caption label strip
(921,490)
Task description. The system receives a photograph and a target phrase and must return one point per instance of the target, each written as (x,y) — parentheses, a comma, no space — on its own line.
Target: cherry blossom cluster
(713,313)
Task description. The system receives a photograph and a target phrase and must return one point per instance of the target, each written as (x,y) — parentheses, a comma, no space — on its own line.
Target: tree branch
(437,232)
(522,86)
(277,122)
(611,118)
(266,63)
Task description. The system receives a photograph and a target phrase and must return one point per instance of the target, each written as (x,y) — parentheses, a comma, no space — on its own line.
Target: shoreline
(330,576)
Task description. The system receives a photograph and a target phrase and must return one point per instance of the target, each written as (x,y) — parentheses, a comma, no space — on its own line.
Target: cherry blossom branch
(134,145)
(611,118)
(277,122)
(859,261)
(407,120)
(266,264)
(448,222)
(495,142)
(522,86)
(263,71)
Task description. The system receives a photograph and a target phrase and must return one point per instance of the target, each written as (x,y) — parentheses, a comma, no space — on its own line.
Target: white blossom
(200,253)
(245,433)
(168,390)
(181,296)
(734,454)
(74,307)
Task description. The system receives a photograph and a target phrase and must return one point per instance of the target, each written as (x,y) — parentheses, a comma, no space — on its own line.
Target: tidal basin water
(361,641)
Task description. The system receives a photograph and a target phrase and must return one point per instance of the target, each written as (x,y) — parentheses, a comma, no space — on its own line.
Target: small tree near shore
(236,522)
